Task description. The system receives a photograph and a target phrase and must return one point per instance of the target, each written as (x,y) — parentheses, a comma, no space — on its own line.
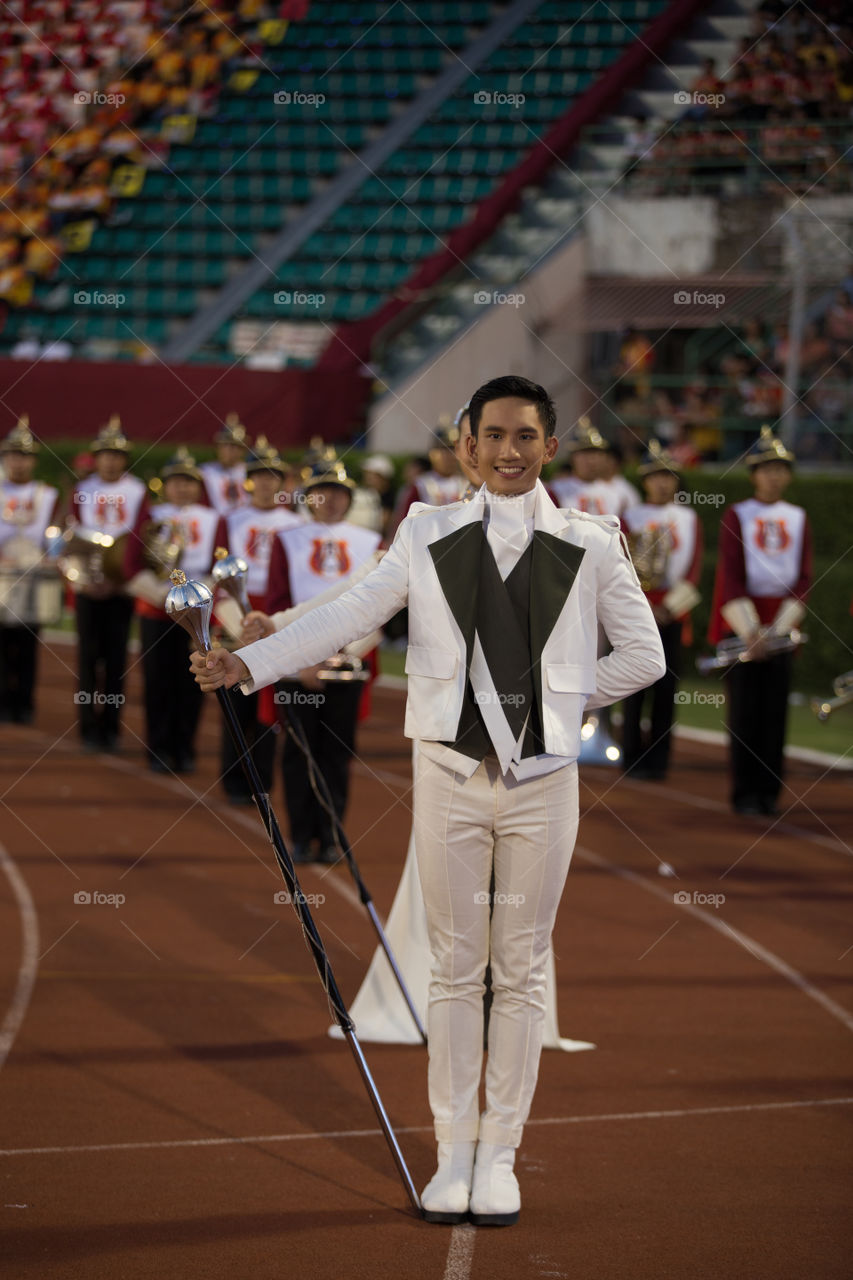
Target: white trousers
(464,829)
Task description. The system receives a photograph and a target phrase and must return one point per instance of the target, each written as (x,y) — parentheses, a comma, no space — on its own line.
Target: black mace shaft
(312,937)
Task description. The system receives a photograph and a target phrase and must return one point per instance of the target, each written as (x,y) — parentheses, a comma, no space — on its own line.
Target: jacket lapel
(552,576)
(457,563)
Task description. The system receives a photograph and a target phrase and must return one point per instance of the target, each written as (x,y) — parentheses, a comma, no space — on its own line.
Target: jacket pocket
(570,678)
(441,664)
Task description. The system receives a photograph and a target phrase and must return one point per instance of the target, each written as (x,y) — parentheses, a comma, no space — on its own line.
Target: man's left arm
(637,659)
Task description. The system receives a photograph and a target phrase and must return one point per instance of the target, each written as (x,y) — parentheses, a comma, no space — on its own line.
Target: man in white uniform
(505,594)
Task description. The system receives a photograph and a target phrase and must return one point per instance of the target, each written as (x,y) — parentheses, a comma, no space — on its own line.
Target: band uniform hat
(768,448)
(327,469)
(232,431)
(446,434)
(655,459)
(182,463)
(460,414)
(111,437)
(584,435)
(265,457)
(378,463)
(20,439)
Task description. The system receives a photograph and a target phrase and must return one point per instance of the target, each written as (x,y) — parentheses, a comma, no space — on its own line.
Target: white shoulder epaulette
(611,523)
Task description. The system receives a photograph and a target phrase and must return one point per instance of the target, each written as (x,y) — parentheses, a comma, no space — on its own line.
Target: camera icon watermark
(487,697)
(283,898)
(285,98)
(82,898)
(495,297)
(684,899)
(85,298)
(696,298)
(284,298)
(298,698)
(83,698)
(685,498)
(687,697)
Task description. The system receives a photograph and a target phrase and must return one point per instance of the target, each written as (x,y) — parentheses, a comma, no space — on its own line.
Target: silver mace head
(231,573)
(190,604)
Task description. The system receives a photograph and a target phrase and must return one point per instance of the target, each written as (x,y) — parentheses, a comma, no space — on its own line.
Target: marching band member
(438,486)
(251,532)
(179,532)
(588,487)
(764,557)
(305,561)
(665,538)
(110,501)
(505,594)
(27,508)
(224,479)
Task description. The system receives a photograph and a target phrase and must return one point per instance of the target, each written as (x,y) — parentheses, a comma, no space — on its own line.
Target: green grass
(699,711)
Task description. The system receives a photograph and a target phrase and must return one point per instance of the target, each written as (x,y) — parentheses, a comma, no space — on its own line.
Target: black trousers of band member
(172,697)
(758,715)
(103,627)
(261,739)
(327,719)
(18,661)
(650,753)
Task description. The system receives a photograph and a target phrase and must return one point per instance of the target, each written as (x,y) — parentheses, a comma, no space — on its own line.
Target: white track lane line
(742,939)
(28,967)
(460,1255)
(685,1113)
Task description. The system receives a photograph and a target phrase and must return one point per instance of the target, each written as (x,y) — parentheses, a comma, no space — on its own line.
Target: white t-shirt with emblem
(110,508)
(772,534)
(318,555)
(225,486)
(251,533)
(197,526)
(25,510)
(674,522)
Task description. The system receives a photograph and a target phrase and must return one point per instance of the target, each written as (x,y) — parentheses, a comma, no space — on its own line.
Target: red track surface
(182,1034)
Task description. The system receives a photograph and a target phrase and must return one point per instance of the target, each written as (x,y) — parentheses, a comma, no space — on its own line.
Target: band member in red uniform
(110,501)
(438,486)
(665,538)
(224,480)
(180,533)
(765,556)
(27,508)
(305,561)
(588,487)
(251,532)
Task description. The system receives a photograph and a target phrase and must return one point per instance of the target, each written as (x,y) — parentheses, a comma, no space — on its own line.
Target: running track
(171,1105)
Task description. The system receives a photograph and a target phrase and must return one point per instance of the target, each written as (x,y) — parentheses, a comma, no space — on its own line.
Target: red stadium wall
(183,403)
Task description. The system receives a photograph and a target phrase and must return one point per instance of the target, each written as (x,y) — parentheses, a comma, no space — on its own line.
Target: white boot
(445,1197)
(495,1197)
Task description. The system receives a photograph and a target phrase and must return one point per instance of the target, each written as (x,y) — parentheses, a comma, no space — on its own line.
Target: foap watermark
(298,698)
(85,298)
(283,898)
(286,98)
(698,99)
(684,497)
(83,698)
(284,298)
(83,898)
(684,899)
(499,899)
(483,98)
(99,498)
(696,298)
(485,298)
(687,698)
(485,697)
(96,99)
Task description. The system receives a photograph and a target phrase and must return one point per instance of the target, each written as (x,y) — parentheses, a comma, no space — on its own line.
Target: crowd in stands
(715,415)
(86,87)
(779,114)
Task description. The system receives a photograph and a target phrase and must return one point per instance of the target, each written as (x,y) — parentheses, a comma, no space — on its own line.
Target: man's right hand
(218,669)
(256,626)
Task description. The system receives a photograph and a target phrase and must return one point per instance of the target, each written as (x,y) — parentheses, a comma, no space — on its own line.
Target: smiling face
(510,448)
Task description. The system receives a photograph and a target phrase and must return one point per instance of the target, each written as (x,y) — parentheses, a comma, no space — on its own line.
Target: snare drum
(30,598)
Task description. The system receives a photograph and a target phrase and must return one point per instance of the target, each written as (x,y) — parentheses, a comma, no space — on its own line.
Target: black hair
(523,389)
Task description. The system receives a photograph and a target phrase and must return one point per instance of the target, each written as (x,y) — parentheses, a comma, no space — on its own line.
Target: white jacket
(580,577)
